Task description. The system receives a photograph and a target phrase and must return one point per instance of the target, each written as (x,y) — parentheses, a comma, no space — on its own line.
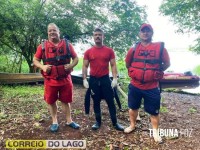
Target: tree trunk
(31,67)
(20,64)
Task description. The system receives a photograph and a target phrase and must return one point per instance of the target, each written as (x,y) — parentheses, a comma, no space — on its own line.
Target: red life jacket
(57,57)
(146,64)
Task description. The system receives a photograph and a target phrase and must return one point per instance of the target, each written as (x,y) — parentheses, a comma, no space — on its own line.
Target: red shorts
(53,93)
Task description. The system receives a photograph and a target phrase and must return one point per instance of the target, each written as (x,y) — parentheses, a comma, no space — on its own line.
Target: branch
(9,46)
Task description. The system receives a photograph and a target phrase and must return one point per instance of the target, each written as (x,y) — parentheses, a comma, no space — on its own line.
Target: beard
(147,40)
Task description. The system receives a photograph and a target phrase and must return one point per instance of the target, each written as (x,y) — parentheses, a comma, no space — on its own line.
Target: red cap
(147,26)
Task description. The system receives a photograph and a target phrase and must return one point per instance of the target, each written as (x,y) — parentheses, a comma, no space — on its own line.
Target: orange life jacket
(57,57)
(146,64)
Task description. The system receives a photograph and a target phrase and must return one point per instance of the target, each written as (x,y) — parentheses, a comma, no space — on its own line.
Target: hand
(47,68)
(114,82)
(85,83)
(68,67)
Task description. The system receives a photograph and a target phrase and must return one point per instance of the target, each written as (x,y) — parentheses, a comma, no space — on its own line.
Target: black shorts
(151,98)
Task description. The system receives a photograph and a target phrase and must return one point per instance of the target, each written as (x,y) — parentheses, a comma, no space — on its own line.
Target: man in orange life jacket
(146,63)
(56,70)
(99,57)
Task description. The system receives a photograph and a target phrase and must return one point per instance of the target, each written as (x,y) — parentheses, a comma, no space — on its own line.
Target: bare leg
(67,110)
(138,117)
(155,123)
(132,115)
(53,111)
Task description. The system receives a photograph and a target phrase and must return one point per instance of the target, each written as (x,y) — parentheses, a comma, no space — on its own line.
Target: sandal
(129,129)
(54,127)
(73,125)
(157,137)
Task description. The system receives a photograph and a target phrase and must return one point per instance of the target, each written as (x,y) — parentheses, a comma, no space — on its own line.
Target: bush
(197,70)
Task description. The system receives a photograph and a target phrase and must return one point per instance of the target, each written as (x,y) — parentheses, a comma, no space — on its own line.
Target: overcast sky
(164,30)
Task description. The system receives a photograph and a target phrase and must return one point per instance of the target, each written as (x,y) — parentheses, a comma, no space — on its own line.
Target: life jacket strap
(149,61)
(57,58)
(143,68)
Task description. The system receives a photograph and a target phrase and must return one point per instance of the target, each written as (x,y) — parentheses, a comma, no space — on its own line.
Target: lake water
(182,61)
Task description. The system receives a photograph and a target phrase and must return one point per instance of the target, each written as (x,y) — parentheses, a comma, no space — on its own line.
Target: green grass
(22,101)
(164,109)
(77,111)
(192,110)
(21,91)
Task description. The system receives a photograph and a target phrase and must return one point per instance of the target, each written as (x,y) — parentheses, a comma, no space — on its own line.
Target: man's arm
(127,65)
(85,68)
(165,66)
(128,58)
(37,63)
(166,60)
(69,67)
(74,62)
(113,68)
(72,65)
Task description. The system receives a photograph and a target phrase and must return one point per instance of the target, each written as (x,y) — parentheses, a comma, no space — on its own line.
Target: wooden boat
(12,78)
(20,78)
(170,80)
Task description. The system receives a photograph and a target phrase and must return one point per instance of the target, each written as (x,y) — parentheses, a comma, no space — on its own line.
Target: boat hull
(167,81)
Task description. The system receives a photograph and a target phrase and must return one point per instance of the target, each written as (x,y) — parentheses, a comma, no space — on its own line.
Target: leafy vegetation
(192,110)
(163,108)
(23,25)
(185,14)
(197,70)
(78,67)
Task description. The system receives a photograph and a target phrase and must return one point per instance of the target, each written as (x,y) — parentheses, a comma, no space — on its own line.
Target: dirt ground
(179,111)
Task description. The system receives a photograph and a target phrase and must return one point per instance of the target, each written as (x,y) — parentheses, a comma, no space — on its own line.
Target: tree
(23,22)
(184,13)
(20,26)
(124,25)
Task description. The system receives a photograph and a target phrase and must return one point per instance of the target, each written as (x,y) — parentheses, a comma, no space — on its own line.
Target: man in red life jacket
(56,70)
(146,63)
(98,58)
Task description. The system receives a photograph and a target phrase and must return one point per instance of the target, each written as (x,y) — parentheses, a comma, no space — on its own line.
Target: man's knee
(152,112)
